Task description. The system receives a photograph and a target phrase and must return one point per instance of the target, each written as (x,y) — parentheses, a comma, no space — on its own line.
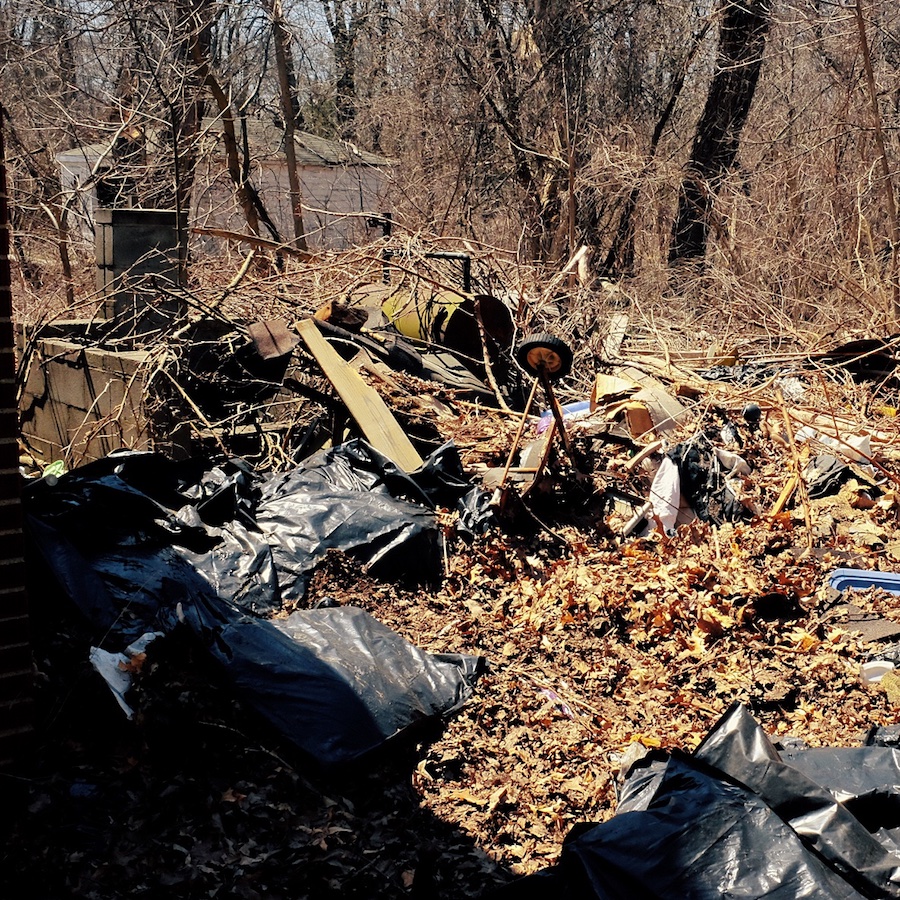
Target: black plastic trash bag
(141,543)
(704,484)
(865,779)
(739,748)
(335,682)
(344,499)
(255,540)
(736,819)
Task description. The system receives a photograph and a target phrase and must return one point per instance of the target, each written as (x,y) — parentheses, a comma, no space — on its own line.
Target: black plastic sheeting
(703,483)
(142,543)
(826,474)
(739,819)
(335,681)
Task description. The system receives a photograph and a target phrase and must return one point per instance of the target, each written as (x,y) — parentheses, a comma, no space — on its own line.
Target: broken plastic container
(860,579)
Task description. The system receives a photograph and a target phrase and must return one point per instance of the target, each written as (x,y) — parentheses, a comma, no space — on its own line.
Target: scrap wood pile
(687,546)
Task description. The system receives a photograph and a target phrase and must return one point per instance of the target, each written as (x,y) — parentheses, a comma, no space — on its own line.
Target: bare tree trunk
(887,179)
(344,19)
(562,35)
(620,257)
(229,139)
(742,41)
(282,41)
(65,53)
(197,21)
(59,216)
(503,100)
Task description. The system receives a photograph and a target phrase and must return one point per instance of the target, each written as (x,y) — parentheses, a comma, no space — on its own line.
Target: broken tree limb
(798,472)
(256,241)
(369,411)
(215,432)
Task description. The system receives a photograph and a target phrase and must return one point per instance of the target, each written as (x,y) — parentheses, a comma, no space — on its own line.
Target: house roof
(311,149)
(266,140)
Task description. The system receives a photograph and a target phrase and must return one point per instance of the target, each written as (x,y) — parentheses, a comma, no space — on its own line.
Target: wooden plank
(369,411)
(786,494)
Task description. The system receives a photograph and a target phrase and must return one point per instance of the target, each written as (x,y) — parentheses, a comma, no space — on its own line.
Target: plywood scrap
(369,411)
(535,458)
(701,359)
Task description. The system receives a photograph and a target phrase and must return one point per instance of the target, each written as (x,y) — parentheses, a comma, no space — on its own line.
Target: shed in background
(341,184)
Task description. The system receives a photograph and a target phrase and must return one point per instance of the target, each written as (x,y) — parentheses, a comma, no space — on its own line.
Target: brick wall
(15,650)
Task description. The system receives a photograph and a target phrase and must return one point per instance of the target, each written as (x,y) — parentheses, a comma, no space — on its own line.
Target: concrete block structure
(82,402)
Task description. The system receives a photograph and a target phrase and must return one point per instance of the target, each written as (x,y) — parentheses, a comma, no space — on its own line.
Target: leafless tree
(742,40)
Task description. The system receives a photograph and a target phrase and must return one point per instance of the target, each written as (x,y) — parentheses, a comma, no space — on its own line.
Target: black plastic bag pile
(141,543)
(739,819)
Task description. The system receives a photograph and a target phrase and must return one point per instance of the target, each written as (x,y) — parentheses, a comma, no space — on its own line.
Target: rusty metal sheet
(272,338)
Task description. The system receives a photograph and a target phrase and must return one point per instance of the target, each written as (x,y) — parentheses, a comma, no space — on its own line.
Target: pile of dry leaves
(594,643)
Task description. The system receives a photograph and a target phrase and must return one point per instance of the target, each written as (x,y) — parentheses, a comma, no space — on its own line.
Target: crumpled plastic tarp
(142,543)
(739,819)
(334,681)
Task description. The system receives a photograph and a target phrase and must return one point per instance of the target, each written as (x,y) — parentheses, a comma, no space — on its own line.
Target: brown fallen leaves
(649,642)
(594,646)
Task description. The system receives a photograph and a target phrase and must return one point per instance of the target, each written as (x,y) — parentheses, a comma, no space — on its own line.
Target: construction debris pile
(428,588)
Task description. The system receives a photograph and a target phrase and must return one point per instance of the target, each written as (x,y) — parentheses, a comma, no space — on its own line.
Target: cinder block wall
(15,650)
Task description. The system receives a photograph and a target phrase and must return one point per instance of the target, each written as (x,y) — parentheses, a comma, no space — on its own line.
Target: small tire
(547,353)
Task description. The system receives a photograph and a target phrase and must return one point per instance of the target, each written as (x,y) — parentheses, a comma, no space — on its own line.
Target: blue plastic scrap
(860,579)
